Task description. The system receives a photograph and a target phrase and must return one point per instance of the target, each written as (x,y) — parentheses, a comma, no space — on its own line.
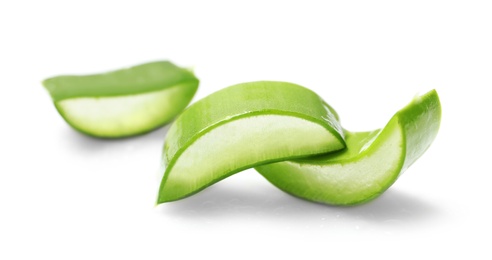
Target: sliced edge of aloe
(371,162)
(241,127)
(124,102)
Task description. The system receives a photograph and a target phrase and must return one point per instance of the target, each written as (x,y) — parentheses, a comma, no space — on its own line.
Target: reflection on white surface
(87,144)
(245,197)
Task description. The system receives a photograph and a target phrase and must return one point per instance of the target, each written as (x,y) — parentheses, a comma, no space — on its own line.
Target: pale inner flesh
(122,115)
(341,181)
(244,142)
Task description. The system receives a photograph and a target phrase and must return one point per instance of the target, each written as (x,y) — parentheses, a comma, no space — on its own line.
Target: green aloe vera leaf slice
(243,126)
(124,102)
(371,162)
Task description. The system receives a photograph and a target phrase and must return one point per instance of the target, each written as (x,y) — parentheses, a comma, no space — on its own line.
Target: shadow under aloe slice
(371,162)
(243,126)
(124,102)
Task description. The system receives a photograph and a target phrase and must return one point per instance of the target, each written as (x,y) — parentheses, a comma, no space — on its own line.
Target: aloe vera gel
(369,165)
(266,124)
(124,102)
(263,124)
(287,132)
(241,127)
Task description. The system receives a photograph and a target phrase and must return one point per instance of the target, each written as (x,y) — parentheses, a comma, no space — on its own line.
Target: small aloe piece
(371,162)
(243,126)
(124,102)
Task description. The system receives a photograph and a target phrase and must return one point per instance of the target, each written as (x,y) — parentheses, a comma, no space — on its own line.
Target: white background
(67,196)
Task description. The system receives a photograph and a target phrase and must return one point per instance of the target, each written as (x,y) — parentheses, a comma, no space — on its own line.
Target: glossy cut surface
(124,102)
(243,126)
(371,162)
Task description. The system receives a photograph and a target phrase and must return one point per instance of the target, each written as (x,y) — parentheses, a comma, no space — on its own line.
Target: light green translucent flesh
(355,175)
(120,116)
(241,144)
(371,162)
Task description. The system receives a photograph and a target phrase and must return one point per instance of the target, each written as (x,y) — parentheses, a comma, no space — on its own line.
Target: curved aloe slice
(124,102)
(371,163)
(243,126)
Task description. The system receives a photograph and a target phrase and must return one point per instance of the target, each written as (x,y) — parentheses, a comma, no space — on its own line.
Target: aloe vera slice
(124,102)
(371,162)
(243,126)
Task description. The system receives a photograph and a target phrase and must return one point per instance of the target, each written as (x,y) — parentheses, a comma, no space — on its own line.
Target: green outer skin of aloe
(418,122)
(236,102)
(146,78)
